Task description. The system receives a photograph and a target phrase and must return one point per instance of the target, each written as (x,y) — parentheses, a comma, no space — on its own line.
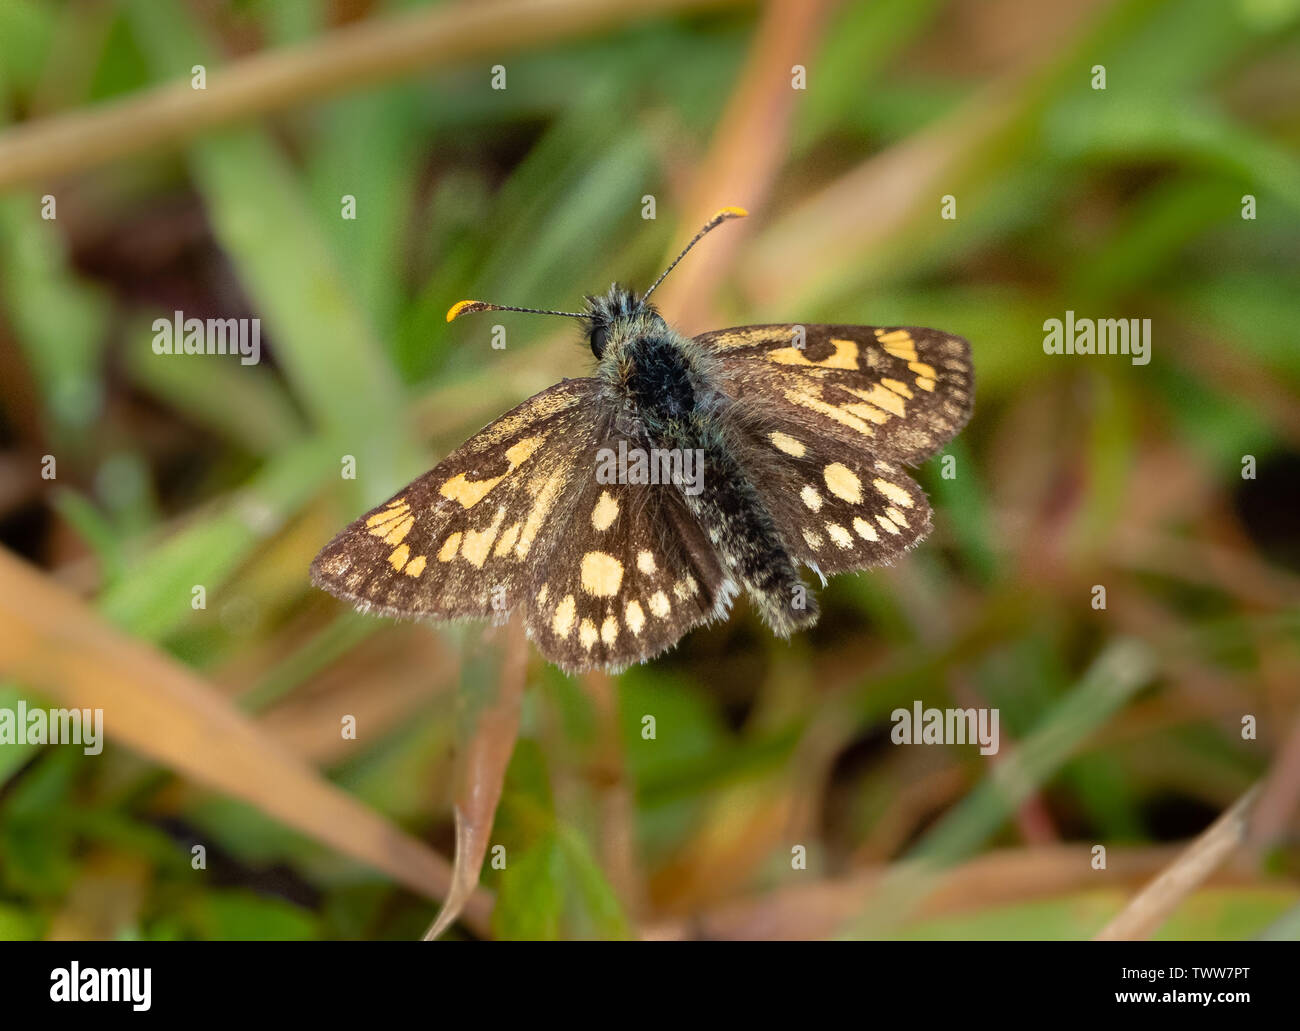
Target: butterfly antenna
(709,226)
(469,307)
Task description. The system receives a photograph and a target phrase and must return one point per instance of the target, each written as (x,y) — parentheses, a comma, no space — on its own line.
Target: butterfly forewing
(466,537)
(898,393)
(516,519)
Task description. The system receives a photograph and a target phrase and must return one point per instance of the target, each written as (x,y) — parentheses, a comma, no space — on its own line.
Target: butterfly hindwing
(632,572)
(899,393)
(838,510)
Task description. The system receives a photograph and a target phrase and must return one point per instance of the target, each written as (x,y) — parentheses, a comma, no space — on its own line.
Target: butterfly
(617,512)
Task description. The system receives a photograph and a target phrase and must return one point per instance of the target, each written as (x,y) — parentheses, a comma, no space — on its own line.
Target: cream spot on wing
(416,566)
(813,539)
(865,530)
(785,442)
(685,587)
(541,595)
(479,542)
(450,547)
(887,525)
(587,634)
(507,541)
(634,616)
(602,574)
(843,482)
(659,605)
(645,561)
(398,558)
(605,512)
(565,613)
(609,630)
(893,492)
(839,535)
(896,516)
(810,497)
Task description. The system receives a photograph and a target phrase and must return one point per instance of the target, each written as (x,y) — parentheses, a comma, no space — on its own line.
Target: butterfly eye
(598,335)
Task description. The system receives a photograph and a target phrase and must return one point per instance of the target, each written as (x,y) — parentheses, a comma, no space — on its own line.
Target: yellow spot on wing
(391,512)
(896,516)
(542,503)
(845,356)
(565,612)
(839,535)
(605,512)
(816,404)
(398,558)
(893,492)
(887,525)
(881,398)
(921,369)
(609,630)
(587,634)
(541,595)
(398,533)
(925,384)
(659,605)
(507,541)
(902,389)
(416,566)
(645,561)
(810,497)
(685,587)
(635,617)
(602,574)
(786,443)
(843,482)
(479,542)
(470,492)
(865,530)
(813,539)
(449,547)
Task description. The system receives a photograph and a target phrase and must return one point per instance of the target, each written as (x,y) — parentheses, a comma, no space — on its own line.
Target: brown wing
(515,520)
(825,420)
(899,393)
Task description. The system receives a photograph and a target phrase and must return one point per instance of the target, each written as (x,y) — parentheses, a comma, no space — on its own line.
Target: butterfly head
(615,314)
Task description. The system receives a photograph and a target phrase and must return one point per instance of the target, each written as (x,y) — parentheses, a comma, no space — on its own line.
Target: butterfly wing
(826,416)
(514,519)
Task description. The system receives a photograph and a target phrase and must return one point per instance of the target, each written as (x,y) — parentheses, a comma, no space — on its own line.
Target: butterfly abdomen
(742,529)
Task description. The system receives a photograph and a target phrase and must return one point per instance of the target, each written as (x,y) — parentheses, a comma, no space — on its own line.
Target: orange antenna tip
(731,213)
(461,307)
